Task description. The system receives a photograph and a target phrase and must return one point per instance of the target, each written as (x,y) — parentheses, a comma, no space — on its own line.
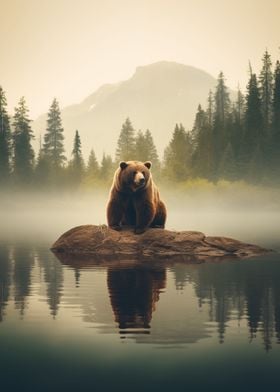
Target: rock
(105,244)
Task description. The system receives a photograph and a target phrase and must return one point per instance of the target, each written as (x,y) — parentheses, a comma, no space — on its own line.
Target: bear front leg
(114,215)
(144,216)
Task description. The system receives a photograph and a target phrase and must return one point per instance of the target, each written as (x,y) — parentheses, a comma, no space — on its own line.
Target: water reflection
(229,291)
(159,303)
(235,289)
(133,293)
(23,260)
(5,279)
(53,277)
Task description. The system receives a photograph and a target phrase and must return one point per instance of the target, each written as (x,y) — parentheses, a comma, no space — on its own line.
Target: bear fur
(134,198)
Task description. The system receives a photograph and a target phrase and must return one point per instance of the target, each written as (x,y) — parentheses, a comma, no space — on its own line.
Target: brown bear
(134,198)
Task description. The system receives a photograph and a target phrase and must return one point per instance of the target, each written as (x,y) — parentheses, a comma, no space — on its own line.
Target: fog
(241,211)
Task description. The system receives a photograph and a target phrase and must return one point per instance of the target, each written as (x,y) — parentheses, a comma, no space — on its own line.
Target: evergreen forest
(231,139)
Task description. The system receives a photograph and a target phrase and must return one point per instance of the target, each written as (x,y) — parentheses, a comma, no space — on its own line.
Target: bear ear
(148,164)
(123,165)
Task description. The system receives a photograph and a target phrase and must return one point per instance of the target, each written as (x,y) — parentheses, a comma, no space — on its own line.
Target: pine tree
(77,152)
(266,90)
(177,155)
(220,120)
(23,152)
(210,108)
(53,141)
(76,165)
(255,168)
(152,154)
(140,147)
(276,99)
(126,142)
(107,168)
(227,170)
(92,169)
(42,168)
(236,127)
(145,149)
(222,102)
(202,140)
(240,107)
(199,123)
(253,132)
(5,139)
(275,136)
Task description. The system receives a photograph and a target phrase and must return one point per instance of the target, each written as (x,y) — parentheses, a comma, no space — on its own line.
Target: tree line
(231,139)
(19,167)
(239,139)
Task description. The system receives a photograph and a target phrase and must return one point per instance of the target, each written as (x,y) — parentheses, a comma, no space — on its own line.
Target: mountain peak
(168,66)
(157,96)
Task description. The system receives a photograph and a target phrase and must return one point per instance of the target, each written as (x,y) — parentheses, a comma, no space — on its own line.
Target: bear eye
(143,173)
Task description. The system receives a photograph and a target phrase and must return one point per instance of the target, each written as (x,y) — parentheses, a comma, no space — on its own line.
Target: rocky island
(103,243)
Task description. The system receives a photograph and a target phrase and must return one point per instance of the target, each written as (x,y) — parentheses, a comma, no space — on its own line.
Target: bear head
(133,175)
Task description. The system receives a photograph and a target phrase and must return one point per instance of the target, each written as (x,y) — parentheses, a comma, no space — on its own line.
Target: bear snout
(139,179)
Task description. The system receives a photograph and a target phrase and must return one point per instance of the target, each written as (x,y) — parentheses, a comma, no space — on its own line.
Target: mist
(247,213)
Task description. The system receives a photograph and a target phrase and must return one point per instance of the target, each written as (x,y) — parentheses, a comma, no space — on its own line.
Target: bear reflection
(133,293)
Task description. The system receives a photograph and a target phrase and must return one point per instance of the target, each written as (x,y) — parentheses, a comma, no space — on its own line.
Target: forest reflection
(239,291)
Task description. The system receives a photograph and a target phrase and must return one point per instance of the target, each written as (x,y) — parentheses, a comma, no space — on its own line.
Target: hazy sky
(68,48)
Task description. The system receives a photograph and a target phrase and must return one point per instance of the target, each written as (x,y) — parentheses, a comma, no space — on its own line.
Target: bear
(134,198)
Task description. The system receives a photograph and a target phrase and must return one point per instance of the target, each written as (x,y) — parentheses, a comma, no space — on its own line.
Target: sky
(68,48)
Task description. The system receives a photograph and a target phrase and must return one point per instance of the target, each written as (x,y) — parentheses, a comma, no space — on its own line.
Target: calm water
(73,324)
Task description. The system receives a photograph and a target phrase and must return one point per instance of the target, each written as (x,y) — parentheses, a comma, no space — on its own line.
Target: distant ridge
(155,97)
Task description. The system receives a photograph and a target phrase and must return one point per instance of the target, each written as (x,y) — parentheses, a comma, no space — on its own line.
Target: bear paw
(116,227)
(139,230)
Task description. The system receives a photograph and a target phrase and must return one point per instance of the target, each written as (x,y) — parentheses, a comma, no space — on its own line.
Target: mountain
(156,97)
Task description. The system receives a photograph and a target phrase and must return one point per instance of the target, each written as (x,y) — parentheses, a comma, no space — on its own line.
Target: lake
(80,325)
